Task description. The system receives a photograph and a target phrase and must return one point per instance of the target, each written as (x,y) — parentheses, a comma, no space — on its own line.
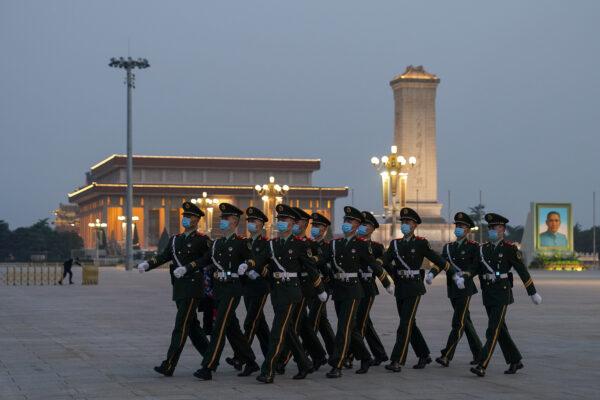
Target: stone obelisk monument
(414,134)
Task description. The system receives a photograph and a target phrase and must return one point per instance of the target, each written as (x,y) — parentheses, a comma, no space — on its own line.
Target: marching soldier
(403,259)
(349,256)
(317,310)
(463,257)
(187,286)
(363,316)
(497,258)
(256,288)
(290,257)
(301,323)
(231,256)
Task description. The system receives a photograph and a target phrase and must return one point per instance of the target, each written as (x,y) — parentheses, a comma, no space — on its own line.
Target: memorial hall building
(163,183)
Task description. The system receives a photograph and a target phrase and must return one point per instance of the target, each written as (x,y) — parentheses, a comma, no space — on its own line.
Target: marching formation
(302,273)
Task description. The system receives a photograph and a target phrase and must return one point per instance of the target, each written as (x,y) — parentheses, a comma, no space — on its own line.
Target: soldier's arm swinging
(516,260)
(165,256)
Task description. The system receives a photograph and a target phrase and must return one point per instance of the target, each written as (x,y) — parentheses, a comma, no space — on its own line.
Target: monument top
(415,74)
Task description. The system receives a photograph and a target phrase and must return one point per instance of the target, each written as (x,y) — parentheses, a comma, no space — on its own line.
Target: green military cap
(495,219)
(370,219)
(301,213)
(409,213)
(463,218)
(318,219)
(353,213)
(255,213)
(190,208)
(283,210)
(229,209)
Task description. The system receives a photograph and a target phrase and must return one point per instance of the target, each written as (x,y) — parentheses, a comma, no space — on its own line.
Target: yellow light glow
(374,160)
(384,159)
(394,149)
(271,179)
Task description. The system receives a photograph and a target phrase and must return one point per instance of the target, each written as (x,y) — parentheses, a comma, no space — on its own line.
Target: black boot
(204,374)
(364,366)
(478,370)
(443,361)
(234,362)
(318,364)
(334,373)
(474,362)
(394,366)
(378,360)
(513,368)
(265,378)
(280,369)
(348,363)
(301,374)
(162,369)
(423,361)
(249,369)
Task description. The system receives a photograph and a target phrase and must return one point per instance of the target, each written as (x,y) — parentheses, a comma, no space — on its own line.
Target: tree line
(38,239)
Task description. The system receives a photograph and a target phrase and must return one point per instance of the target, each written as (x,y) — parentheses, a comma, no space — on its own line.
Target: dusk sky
(517,106)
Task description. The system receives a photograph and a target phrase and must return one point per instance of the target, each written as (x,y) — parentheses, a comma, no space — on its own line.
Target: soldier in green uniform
(230,256)
(349,256)
(290,257)
(256,288)
(301,323)
(187,287)
(403,260)
(317,310)
(463,257)
(497,258)
(363,316)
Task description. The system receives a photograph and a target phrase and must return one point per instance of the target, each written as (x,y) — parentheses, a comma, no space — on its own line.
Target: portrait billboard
(553,227)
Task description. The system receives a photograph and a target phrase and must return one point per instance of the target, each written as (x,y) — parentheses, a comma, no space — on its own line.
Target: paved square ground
(101,342)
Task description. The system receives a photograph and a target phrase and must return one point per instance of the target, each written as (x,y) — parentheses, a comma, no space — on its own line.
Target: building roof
(94,189)
(415,74)
(255,163)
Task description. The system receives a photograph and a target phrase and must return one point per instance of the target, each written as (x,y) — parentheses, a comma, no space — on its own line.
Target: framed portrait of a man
(553,227)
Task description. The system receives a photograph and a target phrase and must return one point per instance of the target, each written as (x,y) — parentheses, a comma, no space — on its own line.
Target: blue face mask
(362,230)
(405,228)
(224,224)
(314,231)
(493,235)
(282,226)
(296,229)
(346,227)
(186,222)
(459,232)
(252,227)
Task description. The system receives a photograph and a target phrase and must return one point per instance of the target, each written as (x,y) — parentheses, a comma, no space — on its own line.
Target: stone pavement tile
(101,343)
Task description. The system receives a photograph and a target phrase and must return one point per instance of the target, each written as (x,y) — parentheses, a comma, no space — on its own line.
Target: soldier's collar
(257,236)
(231,235)
(408,238)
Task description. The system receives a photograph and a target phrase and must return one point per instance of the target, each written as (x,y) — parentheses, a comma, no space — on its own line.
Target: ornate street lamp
(98,227)
(207,205)
(392,169)
(271,194)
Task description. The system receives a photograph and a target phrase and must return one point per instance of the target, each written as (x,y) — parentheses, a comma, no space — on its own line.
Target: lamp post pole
(271,193)
(394,180)
(129,64)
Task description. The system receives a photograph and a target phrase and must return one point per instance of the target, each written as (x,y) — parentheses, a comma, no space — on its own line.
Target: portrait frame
(539,220)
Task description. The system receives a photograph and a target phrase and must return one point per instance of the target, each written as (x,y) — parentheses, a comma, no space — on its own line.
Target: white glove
(242,269)
(460,281)
(429,278)
(391,289)
(536,298)
(143,266)
(323,297)
(179,272)
(252,274)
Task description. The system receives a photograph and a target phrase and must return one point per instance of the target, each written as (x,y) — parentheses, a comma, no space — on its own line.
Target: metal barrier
(41,274)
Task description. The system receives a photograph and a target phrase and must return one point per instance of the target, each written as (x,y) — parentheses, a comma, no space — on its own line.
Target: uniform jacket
(413,251)
(187,249)
(502,258)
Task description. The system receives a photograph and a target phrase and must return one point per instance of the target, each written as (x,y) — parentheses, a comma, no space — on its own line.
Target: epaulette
(420,238)
(326,241)
(362,239)
(240,237)
(472,242)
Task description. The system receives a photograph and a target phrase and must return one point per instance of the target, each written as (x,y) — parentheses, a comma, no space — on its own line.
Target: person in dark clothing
(67,270)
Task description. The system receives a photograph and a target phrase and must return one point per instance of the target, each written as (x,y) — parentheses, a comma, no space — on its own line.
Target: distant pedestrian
(67,270)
